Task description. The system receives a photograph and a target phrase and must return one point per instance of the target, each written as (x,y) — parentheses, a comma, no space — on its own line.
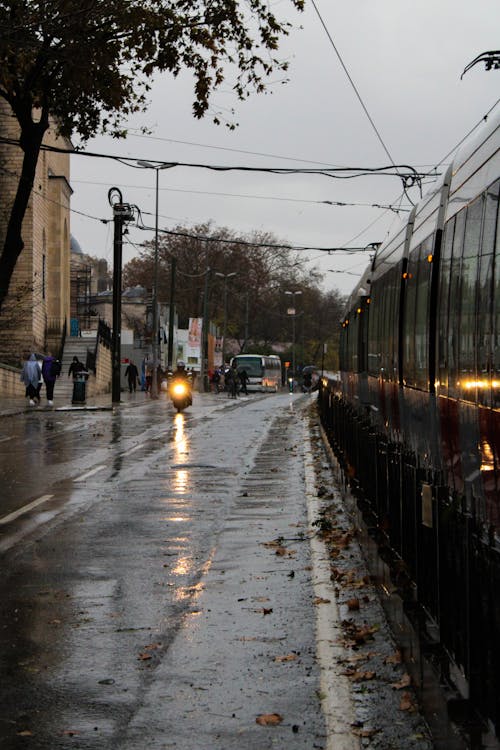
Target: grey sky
(405,59)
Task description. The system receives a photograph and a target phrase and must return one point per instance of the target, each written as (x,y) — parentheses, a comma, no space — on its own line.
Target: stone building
(37,310)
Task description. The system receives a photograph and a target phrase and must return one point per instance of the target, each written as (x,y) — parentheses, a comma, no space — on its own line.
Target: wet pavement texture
(156,587)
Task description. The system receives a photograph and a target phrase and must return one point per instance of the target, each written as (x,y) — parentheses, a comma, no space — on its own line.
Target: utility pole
(171,312)
(122,213)
(225,276)
(292,311)
(204,333)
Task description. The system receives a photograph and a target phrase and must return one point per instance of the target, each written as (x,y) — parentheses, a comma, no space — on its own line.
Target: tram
(415,414)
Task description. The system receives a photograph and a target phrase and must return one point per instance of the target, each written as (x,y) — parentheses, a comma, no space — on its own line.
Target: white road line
(335,687)
(25,509)
(90,473)
(133,450)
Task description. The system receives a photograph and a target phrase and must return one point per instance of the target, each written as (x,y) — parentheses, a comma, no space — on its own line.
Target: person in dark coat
(244,380)
(75,367)
(51,369)
(132,375)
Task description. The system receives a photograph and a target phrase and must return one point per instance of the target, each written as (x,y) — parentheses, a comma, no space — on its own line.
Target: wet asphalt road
(141,605)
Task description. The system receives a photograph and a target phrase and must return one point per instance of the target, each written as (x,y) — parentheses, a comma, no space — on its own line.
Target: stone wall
(101,383)
(10,383)
(40,290)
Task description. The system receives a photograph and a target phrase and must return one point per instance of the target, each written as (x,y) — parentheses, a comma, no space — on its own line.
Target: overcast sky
(405,59)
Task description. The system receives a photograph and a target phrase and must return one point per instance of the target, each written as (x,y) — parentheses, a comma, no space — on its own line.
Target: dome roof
(75,246)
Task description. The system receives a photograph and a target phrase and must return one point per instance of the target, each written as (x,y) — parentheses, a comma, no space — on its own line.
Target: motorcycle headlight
(179,389)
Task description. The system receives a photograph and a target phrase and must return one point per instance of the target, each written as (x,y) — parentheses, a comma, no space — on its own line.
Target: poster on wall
(194,341)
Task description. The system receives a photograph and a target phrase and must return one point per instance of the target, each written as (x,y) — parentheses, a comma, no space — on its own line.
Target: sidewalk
(10,406)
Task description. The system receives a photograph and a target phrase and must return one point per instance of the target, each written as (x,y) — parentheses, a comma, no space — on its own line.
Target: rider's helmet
(181,364)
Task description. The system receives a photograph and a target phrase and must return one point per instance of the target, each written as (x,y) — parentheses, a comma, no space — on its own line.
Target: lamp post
(122,213)
(154,382)
(225,276)
(291,311)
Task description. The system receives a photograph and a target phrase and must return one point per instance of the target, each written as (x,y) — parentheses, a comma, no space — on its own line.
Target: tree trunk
(31,141)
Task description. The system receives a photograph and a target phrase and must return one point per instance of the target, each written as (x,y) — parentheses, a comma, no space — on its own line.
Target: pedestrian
(51,369)
(244,380)
(149,376)
(30,376)
(132,375)
(232,381)
(75,367)
(216,380)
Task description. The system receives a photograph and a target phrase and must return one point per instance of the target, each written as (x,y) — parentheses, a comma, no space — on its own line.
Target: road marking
(134,449)
(337,703)
(25,509)
(89,473)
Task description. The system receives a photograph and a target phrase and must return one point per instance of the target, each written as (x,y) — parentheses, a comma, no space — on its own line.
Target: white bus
(264,372)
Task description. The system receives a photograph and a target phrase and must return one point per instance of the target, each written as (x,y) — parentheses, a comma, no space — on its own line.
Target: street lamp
(291,311)
(154,382)
(225,276)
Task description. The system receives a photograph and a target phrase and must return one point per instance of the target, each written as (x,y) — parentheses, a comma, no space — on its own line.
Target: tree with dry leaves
(87,64)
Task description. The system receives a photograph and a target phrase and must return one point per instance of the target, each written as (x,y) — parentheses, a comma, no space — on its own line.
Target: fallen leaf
(404,682)
(144,657)
(320,600)
(25,733)
(406,703)
(269,720)
(365,732)
(288,657)
(357,676)
(353,604)
(395,658)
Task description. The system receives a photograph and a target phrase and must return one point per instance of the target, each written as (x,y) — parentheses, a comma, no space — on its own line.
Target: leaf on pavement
(320,600)
(353,604)
(288,657)
(406,703)
(25,733)
(269,720)
(144,657)
(395,658)
(365,732)
(404,682)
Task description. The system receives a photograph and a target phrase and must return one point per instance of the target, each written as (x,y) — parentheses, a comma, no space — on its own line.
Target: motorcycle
(180,393)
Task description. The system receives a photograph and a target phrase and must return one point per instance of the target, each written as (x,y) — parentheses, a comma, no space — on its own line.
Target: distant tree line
(257,306)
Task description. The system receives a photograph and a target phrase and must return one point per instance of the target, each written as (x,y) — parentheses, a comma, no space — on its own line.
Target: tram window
(468,296)
(485,301)
(391,322)
(373,354)
(422,315)
(495,394)
(409,319)
(454,306)
(443,304)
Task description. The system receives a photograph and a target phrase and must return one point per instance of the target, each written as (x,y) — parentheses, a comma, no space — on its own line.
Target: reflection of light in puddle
(180,439)
(176,519)
(188,592)
(181,480)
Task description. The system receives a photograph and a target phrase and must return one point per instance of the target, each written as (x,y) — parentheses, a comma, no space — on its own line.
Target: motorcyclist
(181,374)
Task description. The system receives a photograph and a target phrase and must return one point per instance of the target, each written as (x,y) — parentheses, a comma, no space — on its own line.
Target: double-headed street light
(157,166)
(291,311)
(225,276)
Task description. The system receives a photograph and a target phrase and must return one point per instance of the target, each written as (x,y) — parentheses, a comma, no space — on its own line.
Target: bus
(264,372)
